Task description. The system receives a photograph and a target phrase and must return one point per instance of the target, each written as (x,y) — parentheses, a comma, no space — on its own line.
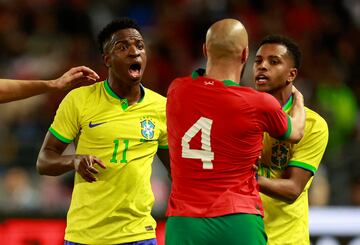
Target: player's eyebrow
(120,41)
(274,56)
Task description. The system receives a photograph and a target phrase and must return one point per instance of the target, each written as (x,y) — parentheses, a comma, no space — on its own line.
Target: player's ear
(292,74)
(106,59)
(245,55)
(204,50)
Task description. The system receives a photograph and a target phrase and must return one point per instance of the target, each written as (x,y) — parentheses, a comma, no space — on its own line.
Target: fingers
(84,165)
(81,76)
(297,95)
(76,77)
(84,70)
(99,162)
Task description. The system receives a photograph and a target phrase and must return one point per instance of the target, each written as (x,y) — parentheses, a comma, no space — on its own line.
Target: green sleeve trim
(59,137)
(163,147)
(288,132)
(303,165)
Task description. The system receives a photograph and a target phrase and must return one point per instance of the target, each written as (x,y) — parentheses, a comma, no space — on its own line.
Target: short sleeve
(66,124)
(310,150)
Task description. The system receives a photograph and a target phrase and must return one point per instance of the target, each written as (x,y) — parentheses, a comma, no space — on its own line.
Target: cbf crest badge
(279,156)
(147,128)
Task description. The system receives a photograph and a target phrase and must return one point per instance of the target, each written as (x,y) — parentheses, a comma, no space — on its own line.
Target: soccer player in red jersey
(215,132)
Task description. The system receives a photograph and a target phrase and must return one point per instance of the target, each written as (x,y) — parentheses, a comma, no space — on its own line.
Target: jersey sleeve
(66,124)
(274,120)
(163,137)
(310,150)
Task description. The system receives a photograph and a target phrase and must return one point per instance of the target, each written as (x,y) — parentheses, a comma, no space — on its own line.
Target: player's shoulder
(254,94)
(154,97)
(82,94)
(179,81)
(315,124)
(313,117)
(86,90)
(262,99)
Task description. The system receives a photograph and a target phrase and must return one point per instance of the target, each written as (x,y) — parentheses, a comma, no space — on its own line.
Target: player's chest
(111,124)
(276,154)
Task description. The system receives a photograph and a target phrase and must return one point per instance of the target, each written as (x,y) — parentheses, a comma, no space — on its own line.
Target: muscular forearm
(53,164)
(282,189)
(11,90)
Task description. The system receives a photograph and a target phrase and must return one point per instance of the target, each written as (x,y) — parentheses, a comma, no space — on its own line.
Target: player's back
(215,137)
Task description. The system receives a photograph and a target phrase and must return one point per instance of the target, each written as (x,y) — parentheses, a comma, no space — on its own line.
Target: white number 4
(206,155)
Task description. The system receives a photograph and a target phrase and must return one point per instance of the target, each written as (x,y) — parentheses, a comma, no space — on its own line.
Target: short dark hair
(114,26)
(291,46)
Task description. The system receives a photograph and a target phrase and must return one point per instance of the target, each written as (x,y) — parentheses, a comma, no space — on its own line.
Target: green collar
(123,101)
(201,72)
(287,106)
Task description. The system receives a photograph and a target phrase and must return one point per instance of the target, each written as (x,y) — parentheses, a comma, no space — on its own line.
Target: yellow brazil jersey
(287,224)
(116,208)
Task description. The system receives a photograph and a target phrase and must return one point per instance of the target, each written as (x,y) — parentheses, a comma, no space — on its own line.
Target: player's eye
(121,46)
(274,62)
(140,45)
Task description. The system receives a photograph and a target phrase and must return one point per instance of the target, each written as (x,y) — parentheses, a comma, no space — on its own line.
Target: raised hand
(75,77)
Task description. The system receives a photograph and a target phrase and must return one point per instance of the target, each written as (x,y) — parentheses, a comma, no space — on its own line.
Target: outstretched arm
(51,161)
(289,187)
(297,117)
(11,90)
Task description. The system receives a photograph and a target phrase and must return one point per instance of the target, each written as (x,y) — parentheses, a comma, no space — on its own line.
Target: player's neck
(131,92)
(282,95)
(223,72)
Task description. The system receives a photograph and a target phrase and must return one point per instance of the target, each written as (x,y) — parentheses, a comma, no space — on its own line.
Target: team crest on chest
(279,154)
(147,128)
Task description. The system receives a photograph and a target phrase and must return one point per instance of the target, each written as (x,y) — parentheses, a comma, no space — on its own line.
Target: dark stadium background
(43,38)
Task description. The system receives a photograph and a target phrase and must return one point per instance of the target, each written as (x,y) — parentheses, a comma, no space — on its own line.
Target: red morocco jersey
(215,132)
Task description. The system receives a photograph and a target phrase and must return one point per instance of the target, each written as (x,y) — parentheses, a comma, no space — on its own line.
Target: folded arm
(289,187)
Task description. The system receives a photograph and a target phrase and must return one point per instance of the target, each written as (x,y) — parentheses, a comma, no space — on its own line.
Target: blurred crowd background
(40,39)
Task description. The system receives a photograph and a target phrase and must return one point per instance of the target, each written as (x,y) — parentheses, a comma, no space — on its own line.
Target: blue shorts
(143,242)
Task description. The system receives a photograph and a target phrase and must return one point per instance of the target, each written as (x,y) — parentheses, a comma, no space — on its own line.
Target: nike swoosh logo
(93,125)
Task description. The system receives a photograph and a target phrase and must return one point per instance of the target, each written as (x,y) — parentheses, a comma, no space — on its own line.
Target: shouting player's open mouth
(261,79)
(135,70)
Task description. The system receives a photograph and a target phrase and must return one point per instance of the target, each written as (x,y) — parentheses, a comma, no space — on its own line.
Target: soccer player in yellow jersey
(11,90)
(286,170)
(118,126)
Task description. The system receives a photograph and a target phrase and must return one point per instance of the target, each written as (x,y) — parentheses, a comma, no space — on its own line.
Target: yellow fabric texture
(288,223)
(116,208)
